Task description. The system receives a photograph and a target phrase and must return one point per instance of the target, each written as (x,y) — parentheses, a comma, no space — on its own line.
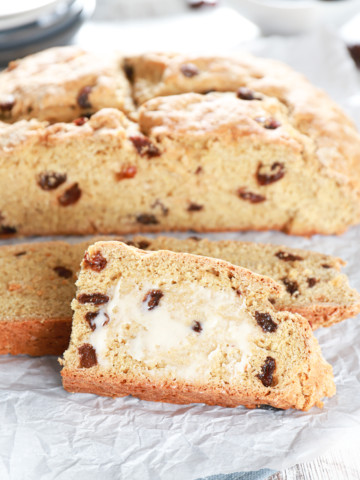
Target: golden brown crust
(81,381)
(323,315)
(61,84)
(35,337)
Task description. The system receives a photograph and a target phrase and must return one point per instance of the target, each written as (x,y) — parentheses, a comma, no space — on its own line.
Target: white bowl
(19,12)
(296,16)
(337,13)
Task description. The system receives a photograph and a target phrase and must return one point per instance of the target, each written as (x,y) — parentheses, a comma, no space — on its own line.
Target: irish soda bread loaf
(181,328)
(266,151)
(37,284)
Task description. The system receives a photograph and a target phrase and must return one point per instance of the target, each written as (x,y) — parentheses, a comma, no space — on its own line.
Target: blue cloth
(259,475)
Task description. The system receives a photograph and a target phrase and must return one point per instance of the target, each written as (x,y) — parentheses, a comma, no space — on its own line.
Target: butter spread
(164,336)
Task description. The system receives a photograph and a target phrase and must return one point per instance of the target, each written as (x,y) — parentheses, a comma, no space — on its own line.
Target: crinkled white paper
(47,433)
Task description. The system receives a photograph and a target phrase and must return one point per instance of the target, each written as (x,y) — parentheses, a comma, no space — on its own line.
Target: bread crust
(35,337)
(80,381)
(61,84)
(324,315)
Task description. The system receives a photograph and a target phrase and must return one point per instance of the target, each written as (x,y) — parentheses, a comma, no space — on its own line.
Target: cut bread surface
(37,284)
(181,328)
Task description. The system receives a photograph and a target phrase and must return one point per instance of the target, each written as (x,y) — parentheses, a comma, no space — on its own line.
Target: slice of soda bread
(37,284)
(180,328)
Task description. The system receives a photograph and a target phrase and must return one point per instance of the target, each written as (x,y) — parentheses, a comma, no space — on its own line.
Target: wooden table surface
(343,461)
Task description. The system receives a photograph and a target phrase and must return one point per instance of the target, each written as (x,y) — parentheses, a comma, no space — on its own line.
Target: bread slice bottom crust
(35,337)
(77,381)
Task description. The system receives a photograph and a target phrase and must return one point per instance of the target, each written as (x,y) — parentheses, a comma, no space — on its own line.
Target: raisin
(194,237)
(63,272)
(51,180)
(269,123)
(291,286)
(152,298)
(288,257)
(278,171)
(267,371)
(245,93)
(129,72)
(164,209)
(80,121)
(198,170)
(143,244)
(196,326)
(87,356)
(194,207)
(189,70)
(147,219)
(7,230)
(126,172)
(83,97)
(20,254)
(90,317)
(311,282)
(269,407)
(144,147)
(201,3)
(265,321)
(325,265)
(8,104)
(70,196)
(354,51)
(96,262)
(250,196)
(94,298)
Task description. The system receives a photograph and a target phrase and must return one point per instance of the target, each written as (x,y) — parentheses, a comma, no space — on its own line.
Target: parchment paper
(47,433)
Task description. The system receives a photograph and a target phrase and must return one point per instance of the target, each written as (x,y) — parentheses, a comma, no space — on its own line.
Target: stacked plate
(26,27)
